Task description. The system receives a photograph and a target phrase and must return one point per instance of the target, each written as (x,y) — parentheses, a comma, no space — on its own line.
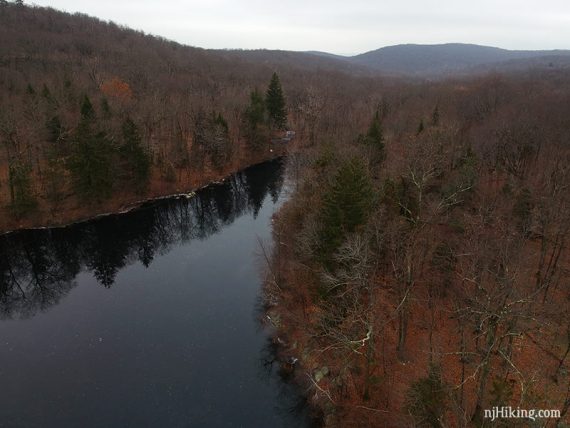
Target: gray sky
(338,26)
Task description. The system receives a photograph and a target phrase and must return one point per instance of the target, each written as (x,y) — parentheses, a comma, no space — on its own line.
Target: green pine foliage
(374,136)
(106,108)
(219,120)
(46,93)
(217,139)
(138,162)
(275,102)
(92,158)
(374,140)
(87,110)
(421,127)
(346,205)
(255,120)
(435,116)
(255,113)
(426,400)
(54,129)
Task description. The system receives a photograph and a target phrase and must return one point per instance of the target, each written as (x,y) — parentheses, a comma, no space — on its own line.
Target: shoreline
(138,204)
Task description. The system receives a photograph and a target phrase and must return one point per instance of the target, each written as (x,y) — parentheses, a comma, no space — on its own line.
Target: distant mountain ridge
(415,60)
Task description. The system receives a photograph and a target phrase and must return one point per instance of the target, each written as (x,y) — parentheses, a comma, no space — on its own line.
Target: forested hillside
(437,61)
(94,116)
(421,270)
(433,62)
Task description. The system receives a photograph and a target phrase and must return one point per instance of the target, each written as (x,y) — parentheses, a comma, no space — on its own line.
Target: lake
(148,318)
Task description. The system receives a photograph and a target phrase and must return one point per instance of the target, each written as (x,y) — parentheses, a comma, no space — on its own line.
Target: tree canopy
(275,102)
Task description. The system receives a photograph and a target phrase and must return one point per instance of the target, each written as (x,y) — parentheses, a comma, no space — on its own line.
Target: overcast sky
(338,26)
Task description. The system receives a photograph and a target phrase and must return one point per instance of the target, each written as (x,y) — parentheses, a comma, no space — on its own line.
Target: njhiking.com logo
(508,412)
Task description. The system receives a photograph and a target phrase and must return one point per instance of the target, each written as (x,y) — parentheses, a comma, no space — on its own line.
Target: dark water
(146,319)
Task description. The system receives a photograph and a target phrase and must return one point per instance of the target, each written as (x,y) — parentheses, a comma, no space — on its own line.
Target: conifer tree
(137,158)
(421,127)
(87,111)
(275,103)
(218,140)
(427,399)
(106,108)
(255,113)
(375,135)
(91,161)
(46,93)
(435,116)
(255,120)
(346,205)
(54,129)
(374,139)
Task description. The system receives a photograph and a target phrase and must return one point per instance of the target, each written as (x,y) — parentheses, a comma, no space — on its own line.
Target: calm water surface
(146,319)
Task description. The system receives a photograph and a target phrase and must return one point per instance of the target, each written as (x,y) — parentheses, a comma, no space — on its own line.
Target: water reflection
(38,267)
(291,406)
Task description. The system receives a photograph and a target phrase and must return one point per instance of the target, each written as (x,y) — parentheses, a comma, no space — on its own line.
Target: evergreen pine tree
(91,161)
(46,93)
(375,135)
(106,108)
(346,205)
(421,127)
(54,129)
(218,140)
(435,116)
(138,160)
(220,121)
(374,139)
(427,399)
(255,120)
(87,111)
(275,102)
(255,113)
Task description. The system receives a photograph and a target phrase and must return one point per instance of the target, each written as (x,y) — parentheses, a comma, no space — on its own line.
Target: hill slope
(446,58)
(411,60)
(70,85)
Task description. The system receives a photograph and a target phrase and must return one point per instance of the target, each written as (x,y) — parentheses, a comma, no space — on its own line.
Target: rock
(292,360)
(274,319)
(321,373)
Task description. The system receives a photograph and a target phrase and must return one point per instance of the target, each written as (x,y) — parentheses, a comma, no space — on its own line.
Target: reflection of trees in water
(32,275)
(37,267)
(292,407)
